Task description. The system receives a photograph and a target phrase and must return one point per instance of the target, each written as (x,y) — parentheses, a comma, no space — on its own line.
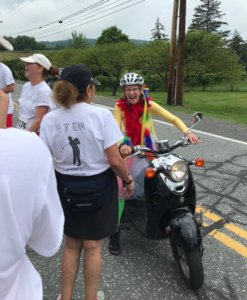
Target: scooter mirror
(196,117)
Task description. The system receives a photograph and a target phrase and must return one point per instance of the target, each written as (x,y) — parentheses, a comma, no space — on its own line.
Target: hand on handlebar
(125,150)
(194,139)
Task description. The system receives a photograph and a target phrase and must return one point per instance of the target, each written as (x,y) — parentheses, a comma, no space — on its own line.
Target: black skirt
(96,224)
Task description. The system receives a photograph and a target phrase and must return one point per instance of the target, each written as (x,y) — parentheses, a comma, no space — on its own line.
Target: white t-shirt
(6,78)
(30,212)
(31,97)
(78,136)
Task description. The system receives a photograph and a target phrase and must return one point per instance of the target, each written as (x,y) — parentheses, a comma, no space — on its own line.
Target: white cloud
(136,21)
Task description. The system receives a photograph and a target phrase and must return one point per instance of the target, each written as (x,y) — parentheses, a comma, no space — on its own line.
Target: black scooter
(169,207)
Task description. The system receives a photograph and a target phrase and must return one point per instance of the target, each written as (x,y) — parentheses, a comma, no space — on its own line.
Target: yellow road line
(214,217)
(228,241)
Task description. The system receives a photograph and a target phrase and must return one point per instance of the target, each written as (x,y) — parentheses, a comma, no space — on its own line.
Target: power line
(74,23)
(100,10)
(75,19)
(92,20)
(61,19)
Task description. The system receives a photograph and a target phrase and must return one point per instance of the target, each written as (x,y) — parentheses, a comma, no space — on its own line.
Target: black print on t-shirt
(74,126)
(71,128)
(76,150)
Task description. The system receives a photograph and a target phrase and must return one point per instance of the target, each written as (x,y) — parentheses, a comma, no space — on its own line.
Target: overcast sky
(136,18)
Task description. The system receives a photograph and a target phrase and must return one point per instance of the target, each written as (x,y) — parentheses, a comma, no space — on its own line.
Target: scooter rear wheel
(190,264)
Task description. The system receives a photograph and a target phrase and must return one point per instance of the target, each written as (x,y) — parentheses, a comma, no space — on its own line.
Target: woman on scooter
(133,113)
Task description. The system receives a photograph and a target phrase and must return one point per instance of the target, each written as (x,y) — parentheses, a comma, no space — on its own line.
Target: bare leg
(69,266)
(4,104)
(91,268)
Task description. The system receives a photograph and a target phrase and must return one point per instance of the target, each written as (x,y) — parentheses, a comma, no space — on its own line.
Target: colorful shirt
(129,118)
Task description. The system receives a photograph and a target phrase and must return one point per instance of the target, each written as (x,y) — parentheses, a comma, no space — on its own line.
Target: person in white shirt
(30,212)
(36,96)
(7,85)
(83,141)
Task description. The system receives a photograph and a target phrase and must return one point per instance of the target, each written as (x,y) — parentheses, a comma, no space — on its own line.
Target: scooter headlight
(179,170)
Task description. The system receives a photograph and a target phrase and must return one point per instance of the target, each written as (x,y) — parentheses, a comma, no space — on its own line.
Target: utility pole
(181,53)
(176,67)
(171,75)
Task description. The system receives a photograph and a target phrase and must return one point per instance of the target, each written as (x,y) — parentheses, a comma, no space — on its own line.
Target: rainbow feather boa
(133,121)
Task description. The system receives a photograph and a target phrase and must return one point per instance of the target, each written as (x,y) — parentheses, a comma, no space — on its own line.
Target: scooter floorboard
(136,214)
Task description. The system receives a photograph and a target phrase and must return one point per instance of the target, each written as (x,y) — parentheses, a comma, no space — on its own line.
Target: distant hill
(55,43)
(63,43)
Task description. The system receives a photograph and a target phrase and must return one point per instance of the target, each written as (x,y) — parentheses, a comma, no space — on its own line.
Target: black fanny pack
(82,194)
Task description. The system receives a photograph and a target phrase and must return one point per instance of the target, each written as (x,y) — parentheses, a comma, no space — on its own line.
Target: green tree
(66,56)
(207,17)
(109,68)
(24,43)
(158,32)
(243,56)
(78,40)
(152,61)
(237,44)
(208,60)
(112,35)
(40,46)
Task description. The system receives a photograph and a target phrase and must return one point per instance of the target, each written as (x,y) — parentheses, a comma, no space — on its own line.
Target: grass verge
(230,106)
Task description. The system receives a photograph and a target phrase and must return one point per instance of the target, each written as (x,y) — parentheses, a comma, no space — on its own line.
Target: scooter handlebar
(135,150)
(139,148)
(183,142)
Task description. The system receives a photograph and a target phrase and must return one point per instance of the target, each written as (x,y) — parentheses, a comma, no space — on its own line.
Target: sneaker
(114,244)
(100,295)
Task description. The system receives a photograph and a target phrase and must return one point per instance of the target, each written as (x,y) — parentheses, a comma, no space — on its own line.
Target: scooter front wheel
(190,264)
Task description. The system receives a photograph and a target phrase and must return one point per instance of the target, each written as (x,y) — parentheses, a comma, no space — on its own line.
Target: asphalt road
(146,269)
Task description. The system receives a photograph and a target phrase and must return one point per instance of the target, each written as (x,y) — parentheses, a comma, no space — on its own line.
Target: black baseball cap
(79,75)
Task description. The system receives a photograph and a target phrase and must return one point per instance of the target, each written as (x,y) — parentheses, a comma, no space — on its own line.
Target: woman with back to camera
(83,141)
(36,96)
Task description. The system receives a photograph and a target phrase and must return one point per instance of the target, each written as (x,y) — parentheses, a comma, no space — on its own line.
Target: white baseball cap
(39,59)
(6,44)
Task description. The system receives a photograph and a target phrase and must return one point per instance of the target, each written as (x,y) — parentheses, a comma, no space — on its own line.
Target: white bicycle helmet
(131,79)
